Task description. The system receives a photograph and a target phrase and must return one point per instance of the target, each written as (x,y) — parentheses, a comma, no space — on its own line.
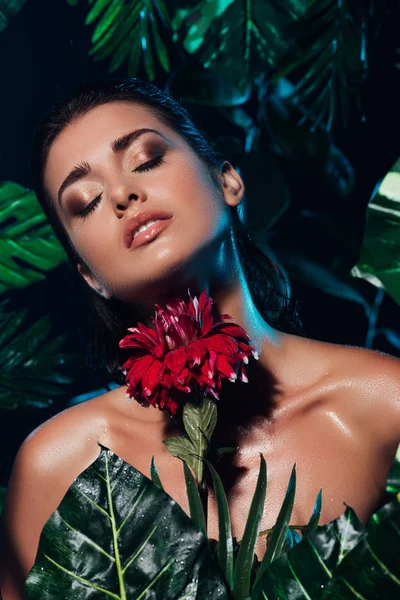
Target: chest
(327,457)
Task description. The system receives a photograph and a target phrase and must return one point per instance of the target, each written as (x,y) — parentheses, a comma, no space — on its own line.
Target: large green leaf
(341,559)
(8,10)
(26,237)
(380,250)
(29,362)
(129,29)
(372,569)
(303,572)
(238,40)
(117,535)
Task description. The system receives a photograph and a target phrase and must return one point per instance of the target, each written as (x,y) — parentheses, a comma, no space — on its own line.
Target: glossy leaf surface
(117,535)
(305,570)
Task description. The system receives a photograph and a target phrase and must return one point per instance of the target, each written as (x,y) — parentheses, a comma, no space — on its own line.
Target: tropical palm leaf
(238,40)
(8,10)
(330,61)
(28,245)
(29,361)
(129,29)
(118,535)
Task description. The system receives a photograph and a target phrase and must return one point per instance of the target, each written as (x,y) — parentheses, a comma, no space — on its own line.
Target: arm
(47,463)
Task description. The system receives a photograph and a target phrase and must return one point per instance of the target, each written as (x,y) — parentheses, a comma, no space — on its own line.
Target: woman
(122,149)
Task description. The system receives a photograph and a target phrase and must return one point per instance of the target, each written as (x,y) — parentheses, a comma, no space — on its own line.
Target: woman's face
(117,188)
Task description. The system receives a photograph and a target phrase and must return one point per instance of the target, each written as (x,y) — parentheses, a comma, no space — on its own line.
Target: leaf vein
(167,566)
(382,565)
(88,539)
(101,509)
(319,558)
(134,557)
(81,579)
(298,581)
(131,511)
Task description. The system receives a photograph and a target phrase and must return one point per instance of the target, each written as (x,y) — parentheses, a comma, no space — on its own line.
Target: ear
(232,184)
(93,282)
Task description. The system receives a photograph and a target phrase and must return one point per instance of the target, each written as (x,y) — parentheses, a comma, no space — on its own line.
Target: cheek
(97,241)
(194,190)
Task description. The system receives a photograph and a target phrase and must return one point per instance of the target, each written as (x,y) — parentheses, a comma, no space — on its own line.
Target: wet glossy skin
(331,409)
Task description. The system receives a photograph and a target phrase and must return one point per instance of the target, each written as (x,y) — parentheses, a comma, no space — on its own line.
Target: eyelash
(147,166)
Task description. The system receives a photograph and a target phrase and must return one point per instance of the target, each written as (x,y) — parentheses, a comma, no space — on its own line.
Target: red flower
(186,351)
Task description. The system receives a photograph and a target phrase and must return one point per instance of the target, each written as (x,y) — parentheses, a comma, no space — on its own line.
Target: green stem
(203,492)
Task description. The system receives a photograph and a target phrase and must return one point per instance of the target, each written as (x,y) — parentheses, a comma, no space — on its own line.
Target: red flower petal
(225,367)
(196,352)
(222,344)
(176,360)
(150,378)
(139,368)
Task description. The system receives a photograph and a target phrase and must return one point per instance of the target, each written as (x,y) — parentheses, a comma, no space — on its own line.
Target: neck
(242,405)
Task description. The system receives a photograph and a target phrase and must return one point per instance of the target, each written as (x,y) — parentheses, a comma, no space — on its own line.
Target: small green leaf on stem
(199,420)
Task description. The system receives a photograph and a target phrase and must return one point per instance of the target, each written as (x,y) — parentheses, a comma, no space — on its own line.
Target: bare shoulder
(368,381)
(68,438)
(47,463)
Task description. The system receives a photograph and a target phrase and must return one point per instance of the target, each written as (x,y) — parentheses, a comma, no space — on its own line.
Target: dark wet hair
(111,318)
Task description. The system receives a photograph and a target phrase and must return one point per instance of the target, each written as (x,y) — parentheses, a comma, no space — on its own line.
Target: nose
(123,194)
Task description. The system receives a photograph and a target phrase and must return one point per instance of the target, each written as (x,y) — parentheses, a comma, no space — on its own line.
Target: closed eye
(147,166)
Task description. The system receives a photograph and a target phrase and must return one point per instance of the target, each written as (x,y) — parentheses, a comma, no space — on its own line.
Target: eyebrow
(117,146)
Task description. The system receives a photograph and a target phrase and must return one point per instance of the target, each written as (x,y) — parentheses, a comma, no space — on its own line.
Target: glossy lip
(150,233)
(133,224)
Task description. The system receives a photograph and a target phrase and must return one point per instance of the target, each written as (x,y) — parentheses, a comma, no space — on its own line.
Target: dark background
(45,56)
